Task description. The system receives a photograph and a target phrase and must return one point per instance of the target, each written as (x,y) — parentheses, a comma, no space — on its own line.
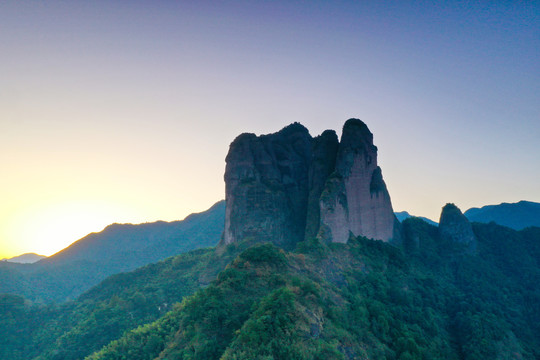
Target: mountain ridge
(27,258)
(118,248)
(517,215)
(402,215)
(472,214)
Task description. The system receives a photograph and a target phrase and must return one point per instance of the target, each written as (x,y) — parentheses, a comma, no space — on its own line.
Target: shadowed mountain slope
(515,215)
(361,300)
(118,248)
(364,299)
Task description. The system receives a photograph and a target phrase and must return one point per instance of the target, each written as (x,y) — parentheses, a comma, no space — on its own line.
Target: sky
(122,112)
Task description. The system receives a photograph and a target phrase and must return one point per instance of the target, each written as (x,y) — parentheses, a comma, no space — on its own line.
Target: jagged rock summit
(288,186)
(266,186)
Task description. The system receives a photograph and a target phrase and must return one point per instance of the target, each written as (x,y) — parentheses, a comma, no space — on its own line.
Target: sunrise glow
(123,112)
(48,228)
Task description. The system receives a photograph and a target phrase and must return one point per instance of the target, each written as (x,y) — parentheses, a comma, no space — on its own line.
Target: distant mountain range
(27,258)
(118,248)
(514,215)
(402,215)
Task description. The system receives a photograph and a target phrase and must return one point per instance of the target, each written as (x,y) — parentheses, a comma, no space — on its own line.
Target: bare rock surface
(266,186)
(287,186)
(356,200)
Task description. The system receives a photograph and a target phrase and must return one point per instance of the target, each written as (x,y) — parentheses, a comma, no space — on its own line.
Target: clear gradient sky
(123,111)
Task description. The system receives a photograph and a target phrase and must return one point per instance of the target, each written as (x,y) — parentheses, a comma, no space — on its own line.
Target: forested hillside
(429,299)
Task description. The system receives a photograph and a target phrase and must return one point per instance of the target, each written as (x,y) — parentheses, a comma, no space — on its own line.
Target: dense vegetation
(118,248)
(122,302)
(427,299)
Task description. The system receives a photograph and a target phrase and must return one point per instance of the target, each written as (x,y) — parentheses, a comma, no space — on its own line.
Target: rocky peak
(266,186)
(454,226)
(356,141)
(286,186)
(355,200)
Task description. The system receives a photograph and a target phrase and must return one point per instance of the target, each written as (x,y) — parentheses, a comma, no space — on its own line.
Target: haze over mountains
(27,258)
(118,248)
(124,247)
(514,215)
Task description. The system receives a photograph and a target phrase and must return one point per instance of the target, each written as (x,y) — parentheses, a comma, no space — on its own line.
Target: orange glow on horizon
(50,227)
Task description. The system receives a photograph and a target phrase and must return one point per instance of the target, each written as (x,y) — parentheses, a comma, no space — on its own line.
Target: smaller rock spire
(454,226)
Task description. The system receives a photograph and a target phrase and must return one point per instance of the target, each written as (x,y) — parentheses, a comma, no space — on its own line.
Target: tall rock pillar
(266,187)
(355,199)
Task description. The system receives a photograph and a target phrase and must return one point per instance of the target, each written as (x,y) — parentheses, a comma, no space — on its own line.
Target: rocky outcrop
(355,199)
(266,186)
(287,186)
(455,227)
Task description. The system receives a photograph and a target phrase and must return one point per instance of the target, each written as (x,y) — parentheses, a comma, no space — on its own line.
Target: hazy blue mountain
(513,215)
(27,258)
(118,248)
(402,215)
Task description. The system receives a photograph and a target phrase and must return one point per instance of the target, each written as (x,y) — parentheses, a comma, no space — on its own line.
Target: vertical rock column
(322,165)
(355,199)
(266,187)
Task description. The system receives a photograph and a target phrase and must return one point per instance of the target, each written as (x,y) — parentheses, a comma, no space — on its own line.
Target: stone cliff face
(266,186)
(454,226)
(355,199)
(287,186)
(323,162)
